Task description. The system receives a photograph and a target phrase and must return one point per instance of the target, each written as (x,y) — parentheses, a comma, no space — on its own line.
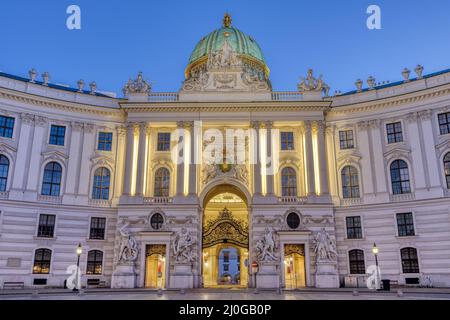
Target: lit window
(94,262)
(42,258)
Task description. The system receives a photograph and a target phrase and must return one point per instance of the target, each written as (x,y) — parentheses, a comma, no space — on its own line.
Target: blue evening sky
(119,38)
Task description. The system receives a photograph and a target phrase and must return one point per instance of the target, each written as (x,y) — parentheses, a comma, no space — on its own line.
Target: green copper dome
(241,43)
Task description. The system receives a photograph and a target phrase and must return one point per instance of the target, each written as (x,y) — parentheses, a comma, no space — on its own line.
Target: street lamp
(79,252)
(375,253)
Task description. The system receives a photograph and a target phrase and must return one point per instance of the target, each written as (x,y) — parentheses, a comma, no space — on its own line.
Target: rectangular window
(226,257)
(394,132)
(57,135)
(354,229)
(46,227)
(163,141)
(444,122)
(405,224)
(6,127)
(346,139)
(105,141)
(226,267)
(287,141)
(97,231)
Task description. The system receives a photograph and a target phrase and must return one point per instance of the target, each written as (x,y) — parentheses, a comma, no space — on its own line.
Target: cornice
(263,106)
(389,102)
(58,104)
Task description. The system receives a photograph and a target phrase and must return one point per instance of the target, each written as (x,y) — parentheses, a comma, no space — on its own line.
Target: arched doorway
(225,238)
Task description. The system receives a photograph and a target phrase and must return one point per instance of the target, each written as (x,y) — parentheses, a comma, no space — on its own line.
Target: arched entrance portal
(225,238)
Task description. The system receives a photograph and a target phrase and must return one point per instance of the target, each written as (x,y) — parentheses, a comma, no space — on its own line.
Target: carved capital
(77,126)
(411,117)
(374,124)
(268,124)
(41,121)
(121,131)
(307,126)
(255,124)
(363,125)
(27,118)
(88,127)
(425,115)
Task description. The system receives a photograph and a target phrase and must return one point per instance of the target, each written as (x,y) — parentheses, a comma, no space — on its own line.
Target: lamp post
(375,253)
(79,252)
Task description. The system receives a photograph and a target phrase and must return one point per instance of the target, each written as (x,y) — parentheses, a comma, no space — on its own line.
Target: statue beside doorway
(183,247)
(265,247)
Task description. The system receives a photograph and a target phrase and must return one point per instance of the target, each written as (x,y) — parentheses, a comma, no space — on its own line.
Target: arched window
(51,184)
(4,169)
(42,258)
(102,178)
(356,261)
(410,261)
(293,220)
(94,262)
(288,182)
(446,169)
(400,177)
(162,182)
(350,182)
(156,221)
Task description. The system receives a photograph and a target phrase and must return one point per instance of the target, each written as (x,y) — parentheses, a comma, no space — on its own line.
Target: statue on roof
(138,85)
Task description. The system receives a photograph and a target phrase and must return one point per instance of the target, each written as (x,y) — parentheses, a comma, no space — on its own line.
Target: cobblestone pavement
(226,295)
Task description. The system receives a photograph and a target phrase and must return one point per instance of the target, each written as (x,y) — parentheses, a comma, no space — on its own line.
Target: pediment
(397,152)
(55,155)
(348,158)
(102,160)
(7,148)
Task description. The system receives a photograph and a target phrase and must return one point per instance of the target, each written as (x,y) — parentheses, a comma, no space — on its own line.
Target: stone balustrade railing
(100,203)
(158,200)
(287,96)
(163,97)
(4,195)
(50,199)
(351,202)
(292,200)
(402,197)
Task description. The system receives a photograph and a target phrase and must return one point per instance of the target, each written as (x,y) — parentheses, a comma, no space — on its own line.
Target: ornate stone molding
(425,115)
(27,118)
(77,126)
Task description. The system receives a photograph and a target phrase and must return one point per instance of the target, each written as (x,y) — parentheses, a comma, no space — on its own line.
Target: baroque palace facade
(226,182)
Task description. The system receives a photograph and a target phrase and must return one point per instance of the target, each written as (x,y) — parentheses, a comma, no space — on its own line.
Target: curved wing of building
(226,182)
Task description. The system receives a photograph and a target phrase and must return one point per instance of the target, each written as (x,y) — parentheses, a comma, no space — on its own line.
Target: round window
(156,221)
(293,220)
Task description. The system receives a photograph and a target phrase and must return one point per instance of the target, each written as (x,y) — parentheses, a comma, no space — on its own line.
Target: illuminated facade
(162,189)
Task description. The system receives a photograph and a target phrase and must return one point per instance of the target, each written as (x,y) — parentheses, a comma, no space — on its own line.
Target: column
(321,148)
(85,168)
(24,145)
(120,160)
(427,137)
(180,158)
(74,156)
(333,183)
(417,153)
(257,181)
(366,163)
(129,159)
(36,150)
(192,164)
(378,157)
(141,165)
(270,154)
(309,159)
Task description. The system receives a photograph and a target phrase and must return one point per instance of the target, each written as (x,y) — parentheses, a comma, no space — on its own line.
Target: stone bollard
(80,293)
(279,290)
(160,292)
(182,291)
(355,293)
(35,294)
(256,291)
(399,293)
